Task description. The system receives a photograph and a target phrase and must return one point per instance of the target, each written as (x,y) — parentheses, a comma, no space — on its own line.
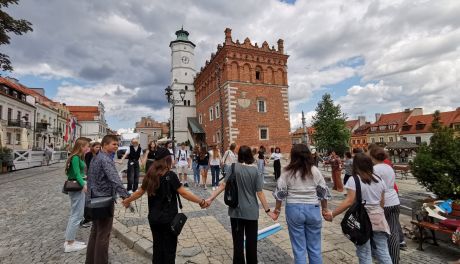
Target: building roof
(422,123)
(84,113)
(402,144)
(396,119)
(15,85)
(361,130)
(351,123)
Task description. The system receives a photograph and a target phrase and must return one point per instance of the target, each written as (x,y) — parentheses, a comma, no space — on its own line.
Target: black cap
(162,153)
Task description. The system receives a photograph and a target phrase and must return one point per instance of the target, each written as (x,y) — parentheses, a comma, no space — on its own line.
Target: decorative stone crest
(244,102)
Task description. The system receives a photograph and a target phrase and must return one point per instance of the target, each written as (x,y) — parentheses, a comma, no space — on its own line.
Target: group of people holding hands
(300,185)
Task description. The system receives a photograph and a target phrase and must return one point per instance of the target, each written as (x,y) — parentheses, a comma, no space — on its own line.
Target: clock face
(185,59)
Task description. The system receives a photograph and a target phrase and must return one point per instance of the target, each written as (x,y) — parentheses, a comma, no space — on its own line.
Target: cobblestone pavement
(34,215)
(206,237)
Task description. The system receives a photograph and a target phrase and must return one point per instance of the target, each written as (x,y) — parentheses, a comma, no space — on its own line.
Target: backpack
(231,189)
(356,225)
(167,211)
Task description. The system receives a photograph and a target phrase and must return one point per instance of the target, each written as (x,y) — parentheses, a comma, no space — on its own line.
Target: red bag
(451,224)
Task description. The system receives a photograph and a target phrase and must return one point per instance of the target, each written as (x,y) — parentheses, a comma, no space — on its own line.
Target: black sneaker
(85,224)
(403,245)
(186,184)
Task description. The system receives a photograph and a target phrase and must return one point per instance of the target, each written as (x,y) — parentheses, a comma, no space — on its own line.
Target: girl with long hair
(392,204)
(94,149)
(276,157)
(261,160)
(301,179)
(215,162)
(373,192)
(203,163)
(149,155)
(162,187)
(75,171)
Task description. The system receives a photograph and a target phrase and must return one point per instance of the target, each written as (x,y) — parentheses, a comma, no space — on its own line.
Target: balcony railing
(57,131)
(40,127)
(18,123)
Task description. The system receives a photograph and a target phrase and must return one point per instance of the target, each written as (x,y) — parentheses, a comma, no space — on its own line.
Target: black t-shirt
(204,161)
(261,154)
(88,158)
(163,205)
(151,154)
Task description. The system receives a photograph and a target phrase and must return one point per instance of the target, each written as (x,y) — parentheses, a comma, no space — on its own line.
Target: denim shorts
(204,167)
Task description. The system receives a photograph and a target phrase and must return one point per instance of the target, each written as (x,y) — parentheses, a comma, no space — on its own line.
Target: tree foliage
(331,133)
(437,166)
(10,25)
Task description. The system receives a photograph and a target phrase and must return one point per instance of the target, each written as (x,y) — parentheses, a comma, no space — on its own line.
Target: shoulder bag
(179,220)
(356,225)
(231,189)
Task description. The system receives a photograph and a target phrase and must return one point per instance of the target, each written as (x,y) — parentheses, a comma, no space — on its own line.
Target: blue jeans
(381,253)
(215,170)
(77,206)
(261,168)
(304,224)
(196,172)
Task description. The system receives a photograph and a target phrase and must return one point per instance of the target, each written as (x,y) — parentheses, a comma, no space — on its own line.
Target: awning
(195,126)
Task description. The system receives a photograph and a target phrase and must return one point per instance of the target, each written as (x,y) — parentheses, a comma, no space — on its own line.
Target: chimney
(377,117)
(361,120)
(407,110)
(281,46)
(228,36)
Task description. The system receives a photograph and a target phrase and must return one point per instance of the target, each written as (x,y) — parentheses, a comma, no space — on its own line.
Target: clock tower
(182,77)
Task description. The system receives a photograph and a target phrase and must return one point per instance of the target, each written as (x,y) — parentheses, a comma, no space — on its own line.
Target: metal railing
(18,123)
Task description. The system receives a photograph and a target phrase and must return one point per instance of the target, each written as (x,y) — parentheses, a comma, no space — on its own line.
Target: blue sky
(371,56)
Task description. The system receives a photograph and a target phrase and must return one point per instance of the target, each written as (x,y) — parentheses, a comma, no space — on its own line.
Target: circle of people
(300,185)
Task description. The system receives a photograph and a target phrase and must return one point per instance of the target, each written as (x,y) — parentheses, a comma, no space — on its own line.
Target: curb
(132,240)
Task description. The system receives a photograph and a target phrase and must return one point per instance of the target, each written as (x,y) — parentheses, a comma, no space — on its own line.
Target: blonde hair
(77,150)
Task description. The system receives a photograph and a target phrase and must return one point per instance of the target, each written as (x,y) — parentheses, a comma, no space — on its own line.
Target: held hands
(327,215)
(125,203)
(205,204)
(273,215)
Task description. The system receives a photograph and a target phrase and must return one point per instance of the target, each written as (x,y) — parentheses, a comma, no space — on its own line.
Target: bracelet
(267,211)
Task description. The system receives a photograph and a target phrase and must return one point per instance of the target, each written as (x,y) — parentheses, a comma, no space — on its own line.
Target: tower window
(185,74)
(261,108)
(185,102)
(257,75)
(186,87)
(263,133)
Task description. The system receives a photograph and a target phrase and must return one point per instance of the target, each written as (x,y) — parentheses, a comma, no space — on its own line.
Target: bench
(433,227)
(403,170)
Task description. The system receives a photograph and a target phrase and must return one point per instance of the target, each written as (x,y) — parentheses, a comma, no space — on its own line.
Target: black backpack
(231,189)
(356,224)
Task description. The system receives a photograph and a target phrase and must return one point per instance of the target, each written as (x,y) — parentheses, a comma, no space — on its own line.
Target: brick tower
(250,83)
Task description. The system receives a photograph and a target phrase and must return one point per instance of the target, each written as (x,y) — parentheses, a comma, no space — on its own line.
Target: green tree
(10,25)
(437,166)
(331,133)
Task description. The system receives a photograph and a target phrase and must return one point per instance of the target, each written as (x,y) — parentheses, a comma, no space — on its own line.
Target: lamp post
(170,97)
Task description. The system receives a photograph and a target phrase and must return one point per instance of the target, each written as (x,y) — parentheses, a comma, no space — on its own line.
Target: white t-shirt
(229,157)
(213,161)
(388,175)
(302,191)
(276,156)
(183,155)
(371,193)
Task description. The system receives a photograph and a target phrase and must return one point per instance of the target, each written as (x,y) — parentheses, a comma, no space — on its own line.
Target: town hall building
(239,96)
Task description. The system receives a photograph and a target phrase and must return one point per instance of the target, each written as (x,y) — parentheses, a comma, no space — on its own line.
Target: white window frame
(200,119)
(372,140)
(260,133)
(211,113)
(217,114)
(258,106)
(218,136)
(381,139)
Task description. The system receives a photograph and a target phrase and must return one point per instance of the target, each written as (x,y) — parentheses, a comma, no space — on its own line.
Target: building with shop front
(242,96)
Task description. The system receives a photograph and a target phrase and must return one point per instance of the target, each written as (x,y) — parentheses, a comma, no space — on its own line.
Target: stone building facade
(154,129)
(242,95)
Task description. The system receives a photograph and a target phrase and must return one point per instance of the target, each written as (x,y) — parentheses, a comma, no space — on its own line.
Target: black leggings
(241,227)
(164,244)
(277,168)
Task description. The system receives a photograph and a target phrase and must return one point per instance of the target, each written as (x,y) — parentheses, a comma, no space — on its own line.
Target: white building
(182,77)
(17,115)
(92,120)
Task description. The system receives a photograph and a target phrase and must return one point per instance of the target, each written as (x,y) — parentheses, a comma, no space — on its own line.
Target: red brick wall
(237,65)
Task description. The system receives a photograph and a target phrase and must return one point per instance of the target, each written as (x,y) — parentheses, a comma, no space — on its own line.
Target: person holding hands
(244,217)
(162,187)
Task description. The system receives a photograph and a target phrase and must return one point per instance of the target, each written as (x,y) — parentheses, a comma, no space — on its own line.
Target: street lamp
(169,93)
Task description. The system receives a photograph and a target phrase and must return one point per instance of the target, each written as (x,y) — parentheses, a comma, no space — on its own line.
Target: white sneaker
(213,188)
(73,247)
(75,241)
(130,192)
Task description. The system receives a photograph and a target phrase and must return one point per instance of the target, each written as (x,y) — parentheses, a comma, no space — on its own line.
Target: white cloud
(409,48)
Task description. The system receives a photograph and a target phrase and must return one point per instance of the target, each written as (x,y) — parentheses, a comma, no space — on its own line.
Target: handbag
(179,220)
(71,186)
(100,207)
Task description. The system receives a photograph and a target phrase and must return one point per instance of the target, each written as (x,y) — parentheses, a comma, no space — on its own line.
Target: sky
(371,56)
